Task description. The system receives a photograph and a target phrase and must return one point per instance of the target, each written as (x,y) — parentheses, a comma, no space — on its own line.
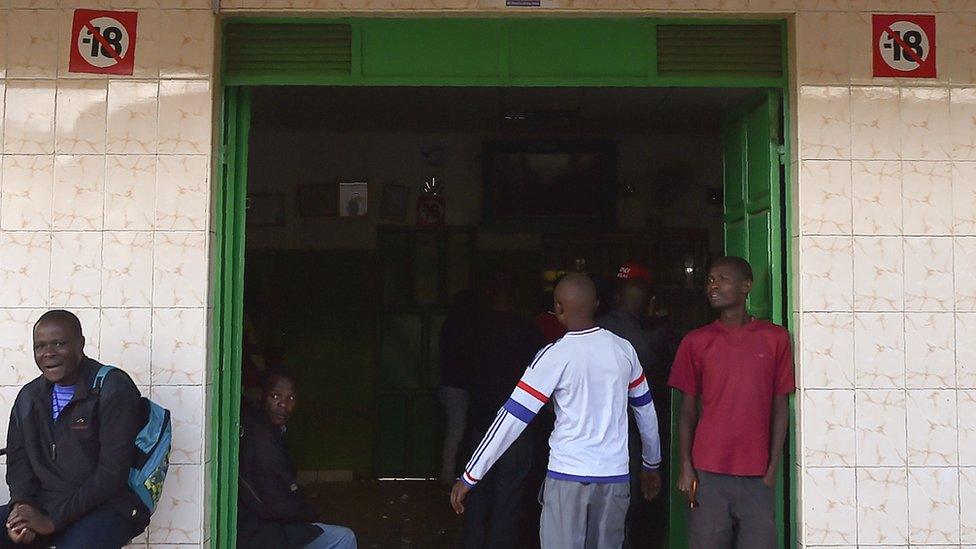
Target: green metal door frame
(406,68)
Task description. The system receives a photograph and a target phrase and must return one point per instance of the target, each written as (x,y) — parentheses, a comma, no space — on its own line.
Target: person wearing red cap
(631,271)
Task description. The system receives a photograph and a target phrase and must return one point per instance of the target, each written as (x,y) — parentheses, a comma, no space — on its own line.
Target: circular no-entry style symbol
(904,46)
(103,42)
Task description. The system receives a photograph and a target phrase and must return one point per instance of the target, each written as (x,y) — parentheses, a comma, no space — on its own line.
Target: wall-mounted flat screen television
(549,179)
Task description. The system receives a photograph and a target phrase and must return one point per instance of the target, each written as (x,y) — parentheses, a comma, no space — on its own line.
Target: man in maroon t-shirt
(741,370)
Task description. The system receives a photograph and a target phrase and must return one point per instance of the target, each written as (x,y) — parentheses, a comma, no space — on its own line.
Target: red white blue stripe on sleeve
(522,407)
(525,402)
(468,479)
(639,394)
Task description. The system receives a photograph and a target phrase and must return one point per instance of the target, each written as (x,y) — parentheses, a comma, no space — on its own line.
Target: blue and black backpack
(152,447)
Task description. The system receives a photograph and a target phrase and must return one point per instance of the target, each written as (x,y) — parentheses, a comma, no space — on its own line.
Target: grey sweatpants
(732,512)
(583,516)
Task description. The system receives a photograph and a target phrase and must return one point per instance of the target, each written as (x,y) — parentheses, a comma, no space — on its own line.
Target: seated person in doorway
(506,343)
(741,371)
(626,319)
(592,376)
(273,511)
(69,449)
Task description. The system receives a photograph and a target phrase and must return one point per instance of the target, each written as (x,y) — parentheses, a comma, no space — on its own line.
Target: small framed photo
(393,203)
(318,200)
(353,199)
(266,210)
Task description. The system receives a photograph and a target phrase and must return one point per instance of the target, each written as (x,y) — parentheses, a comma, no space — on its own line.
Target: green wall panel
(609,47)
(414,51)
(418,47)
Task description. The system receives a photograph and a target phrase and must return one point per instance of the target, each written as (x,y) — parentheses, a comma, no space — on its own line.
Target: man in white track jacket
(591,375)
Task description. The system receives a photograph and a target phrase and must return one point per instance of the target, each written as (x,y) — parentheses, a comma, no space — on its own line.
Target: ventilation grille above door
(720,50)
(306,49)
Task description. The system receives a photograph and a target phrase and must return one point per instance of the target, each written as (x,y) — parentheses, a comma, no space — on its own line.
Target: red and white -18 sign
(103,42)
(903,45)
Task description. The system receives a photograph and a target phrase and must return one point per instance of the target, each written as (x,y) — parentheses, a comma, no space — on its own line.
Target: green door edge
(226,323)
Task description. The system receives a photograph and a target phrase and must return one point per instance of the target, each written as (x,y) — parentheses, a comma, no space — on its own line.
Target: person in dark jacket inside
(69,450)
(505,346)
(273,511)
(627,319)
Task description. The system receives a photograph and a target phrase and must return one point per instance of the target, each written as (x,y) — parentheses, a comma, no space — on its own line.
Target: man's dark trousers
(494,508)
(732,512)
(102,528)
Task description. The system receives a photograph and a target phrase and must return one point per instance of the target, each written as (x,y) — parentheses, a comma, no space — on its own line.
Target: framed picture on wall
(318,200)
(266,210)
(550,180)
(393,203)
(353,199)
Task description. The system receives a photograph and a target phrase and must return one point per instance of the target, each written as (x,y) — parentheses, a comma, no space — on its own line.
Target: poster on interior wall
(393,203)
(903,45)
(103,42)
(352,199)
(318,200)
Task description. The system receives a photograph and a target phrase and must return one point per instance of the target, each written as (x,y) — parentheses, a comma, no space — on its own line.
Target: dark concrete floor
(390,514)
(418,515)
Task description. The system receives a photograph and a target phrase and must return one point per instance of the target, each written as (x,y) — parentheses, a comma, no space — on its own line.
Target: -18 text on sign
(104,42)
(904,46)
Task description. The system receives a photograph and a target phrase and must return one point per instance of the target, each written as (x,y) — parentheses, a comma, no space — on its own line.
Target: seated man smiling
(70,448)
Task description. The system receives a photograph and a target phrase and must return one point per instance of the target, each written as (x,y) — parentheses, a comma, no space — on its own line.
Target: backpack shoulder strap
(100,378)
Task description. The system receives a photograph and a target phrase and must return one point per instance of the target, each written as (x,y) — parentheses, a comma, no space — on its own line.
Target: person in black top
(69,450)
(505,346)
(273,511)
(627,318)
(458,334)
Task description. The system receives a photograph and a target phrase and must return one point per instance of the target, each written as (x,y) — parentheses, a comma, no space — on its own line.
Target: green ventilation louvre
(283,51)
(720,50)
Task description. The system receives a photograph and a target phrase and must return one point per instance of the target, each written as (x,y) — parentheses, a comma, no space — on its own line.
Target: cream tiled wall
(104,208)
(885,244)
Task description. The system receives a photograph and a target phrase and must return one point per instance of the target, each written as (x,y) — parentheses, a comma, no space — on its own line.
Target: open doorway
(348,277)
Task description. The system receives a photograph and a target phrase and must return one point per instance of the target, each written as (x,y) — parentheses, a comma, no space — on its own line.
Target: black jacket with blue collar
(80,462)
